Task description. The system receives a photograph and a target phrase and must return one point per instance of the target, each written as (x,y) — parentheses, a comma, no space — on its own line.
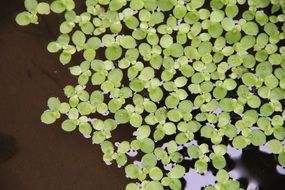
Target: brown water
(46,158)
(34,156)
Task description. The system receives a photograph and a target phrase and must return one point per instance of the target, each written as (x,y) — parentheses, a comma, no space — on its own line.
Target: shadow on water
(254,169)
(8,147)
(262,167)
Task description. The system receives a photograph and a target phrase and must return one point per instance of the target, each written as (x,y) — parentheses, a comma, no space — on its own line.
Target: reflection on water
(255,169)
(280,170)
(195,181)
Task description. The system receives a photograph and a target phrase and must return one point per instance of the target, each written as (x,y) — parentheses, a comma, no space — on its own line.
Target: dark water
(34,156)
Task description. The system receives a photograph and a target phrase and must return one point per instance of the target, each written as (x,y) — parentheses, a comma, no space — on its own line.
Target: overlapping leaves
(172,69)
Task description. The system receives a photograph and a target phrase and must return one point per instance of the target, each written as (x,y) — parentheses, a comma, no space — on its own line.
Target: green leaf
(107,147)
(115,5)
(53,47)
(115,75)
(253,101)
(98,137)
(143,132)
(249,79)
(131,22)
(85,129)
(154,185)
(147,74)
(132,171)
(48,117)
(165,5)
(281,159)
(257,137)
(217,15)
(174,115)
(78,38)
(98,78)
(231,10)
(53,103)
(266,109)
(177,172)
(65,58)
(23,18)
(64,108)
(219,162)
(137,85)
(121,159)
(149,161)
(205,48)
(155,94)
(227,104)
(43,8)
(31,5)
(171,101)
(201,166)
(195,4)
(128,42)
(169,128)
(219,92)
(207,131)
(89,54)
(275,146)
(240,142)
(69,125)
(215,29)
(194,151)
(262,3)
(179,11)
(222,176)
(57,6)
(155,173)
(250,28)
(113,52)
(132,186)
(264,69)
(122,116)
(84,108)
(147,145)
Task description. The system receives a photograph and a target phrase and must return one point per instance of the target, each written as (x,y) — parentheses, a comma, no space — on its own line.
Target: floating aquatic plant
(175,71)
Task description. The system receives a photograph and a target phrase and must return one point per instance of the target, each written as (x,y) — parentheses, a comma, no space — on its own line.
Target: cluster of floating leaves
(173,70)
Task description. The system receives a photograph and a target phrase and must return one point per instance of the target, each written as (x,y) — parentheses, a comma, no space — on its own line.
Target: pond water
(56,154)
